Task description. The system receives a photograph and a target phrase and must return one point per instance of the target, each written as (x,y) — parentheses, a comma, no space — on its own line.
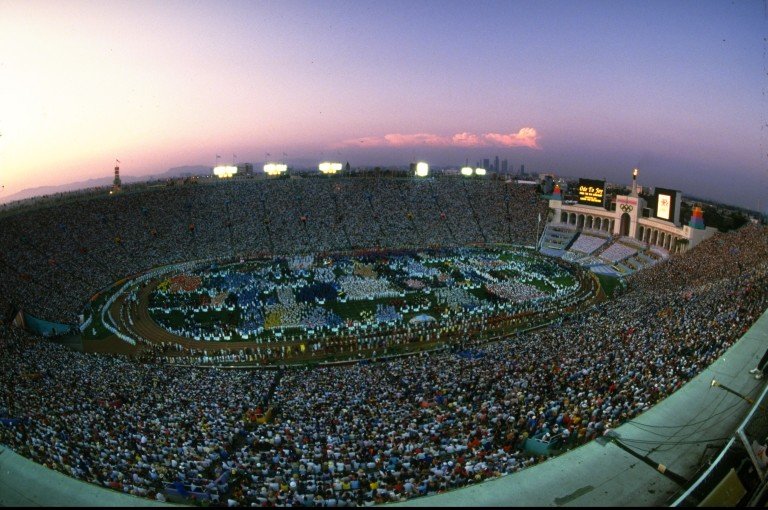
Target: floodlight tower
(274,169)
(468,171)
(329,168)
(224,171)
(422,169)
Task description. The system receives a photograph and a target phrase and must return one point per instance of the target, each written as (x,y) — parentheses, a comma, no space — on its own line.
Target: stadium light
(224,171)
(275,168)
(479,171)
(422,169)
(717,384)
(467,171)
(329,168)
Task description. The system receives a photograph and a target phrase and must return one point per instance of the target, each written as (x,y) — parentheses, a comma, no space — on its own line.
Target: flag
(117,160)
(20,320)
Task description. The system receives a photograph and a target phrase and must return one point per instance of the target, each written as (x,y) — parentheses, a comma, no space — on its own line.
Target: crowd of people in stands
(385,430)
(59,254)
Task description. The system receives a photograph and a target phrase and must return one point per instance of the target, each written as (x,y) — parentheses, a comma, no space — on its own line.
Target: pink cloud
(367,140)
(400,140)
(466,140)
(526,137)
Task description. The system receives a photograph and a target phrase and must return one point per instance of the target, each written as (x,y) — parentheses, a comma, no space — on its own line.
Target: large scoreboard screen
(591,192)
(668,205)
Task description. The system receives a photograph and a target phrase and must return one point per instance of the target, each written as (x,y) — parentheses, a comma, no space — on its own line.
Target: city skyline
(583,89)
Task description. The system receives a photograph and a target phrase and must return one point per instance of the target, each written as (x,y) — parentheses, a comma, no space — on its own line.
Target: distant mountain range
(179,171)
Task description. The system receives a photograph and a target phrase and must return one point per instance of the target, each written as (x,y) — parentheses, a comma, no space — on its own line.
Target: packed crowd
(59,254)
(386,430)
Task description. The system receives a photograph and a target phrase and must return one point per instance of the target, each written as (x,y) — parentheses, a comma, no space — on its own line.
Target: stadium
(379,338)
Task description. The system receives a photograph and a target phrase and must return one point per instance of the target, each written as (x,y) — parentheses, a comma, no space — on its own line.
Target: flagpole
(538,226)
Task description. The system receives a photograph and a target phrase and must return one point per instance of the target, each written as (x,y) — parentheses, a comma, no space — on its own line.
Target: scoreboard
(668,205)
(591,192)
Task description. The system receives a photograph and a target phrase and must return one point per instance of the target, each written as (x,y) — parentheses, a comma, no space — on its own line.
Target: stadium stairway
(555,240)
(606,270)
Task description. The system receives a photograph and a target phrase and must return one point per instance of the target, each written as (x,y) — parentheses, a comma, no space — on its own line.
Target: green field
(97,330)
(454,282)
(271,297)
(610,284)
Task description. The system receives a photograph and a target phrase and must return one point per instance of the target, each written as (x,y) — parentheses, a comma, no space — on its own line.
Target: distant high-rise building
(486,163)
(547,183)
(245,169)
(522,169)
(496,164)
(504,166)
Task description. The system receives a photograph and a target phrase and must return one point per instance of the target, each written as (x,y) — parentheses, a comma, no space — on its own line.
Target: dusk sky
(575,87)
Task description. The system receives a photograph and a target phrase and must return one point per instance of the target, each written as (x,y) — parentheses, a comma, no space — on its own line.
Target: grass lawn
(610,284)
(479,269)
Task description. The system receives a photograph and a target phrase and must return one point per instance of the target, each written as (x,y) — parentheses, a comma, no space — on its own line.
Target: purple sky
(577,88)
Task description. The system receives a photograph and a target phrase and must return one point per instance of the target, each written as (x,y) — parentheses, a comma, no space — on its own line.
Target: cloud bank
(526,137)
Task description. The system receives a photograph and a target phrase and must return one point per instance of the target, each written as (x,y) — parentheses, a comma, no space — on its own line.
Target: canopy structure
(421,318)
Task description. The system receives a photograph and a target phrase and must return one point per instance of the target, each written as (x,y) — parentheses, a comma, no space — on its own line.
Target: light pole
(749,400)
